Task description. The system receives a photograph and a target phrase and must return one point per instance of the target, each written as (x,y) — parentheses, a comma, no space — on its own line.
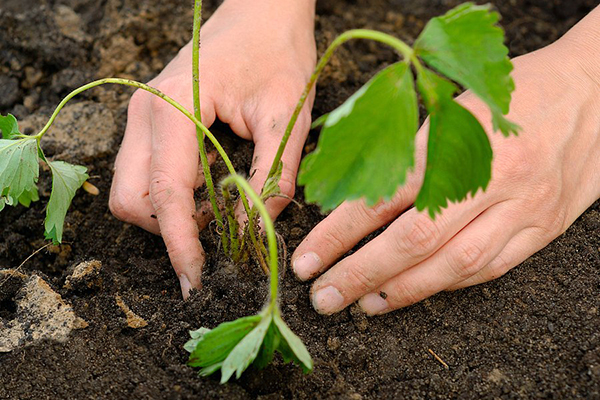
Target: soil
(533,333)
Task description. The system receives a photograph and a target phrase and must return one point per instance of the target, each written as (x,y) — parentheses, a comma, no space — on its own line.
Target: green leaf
(467,46)
(246,350)
(19,170)
(367,144)
(271,187)
(196,336)
(218,343)
(66,179)
(28,196)
(291,346)
(459,155)
(268,347)
(211,369)
(2,203)
(9,126)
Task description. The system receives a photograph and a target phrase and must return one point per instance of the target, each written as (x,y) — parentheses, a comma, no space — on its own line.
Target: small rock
(9,91)
(133,320)
(86,275)
(496,376)
(41,315)
(69,23)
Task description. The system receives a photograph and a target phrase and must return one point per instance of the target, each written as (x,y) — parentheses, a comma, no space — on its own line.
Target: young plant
(232,346)
(365,149)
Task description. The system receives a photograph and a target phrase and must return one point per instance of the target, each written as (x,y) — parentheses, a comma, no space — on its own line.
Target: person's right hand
(255,60)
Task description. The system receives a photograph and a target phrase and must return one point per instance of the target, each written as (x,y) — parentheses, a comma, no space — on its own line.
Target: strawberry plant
(365,150)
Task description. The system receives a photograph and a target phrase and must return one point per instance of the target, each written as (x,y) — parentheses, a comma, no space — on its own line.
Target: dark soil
(533,333)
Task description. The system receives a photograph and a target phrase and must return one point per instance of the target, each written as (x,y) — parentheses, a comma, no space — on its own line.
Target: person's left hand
(542,180)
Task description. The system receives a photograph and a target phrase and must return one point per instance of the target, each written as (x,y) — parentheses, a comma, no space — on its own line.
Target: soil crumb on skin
(534,333)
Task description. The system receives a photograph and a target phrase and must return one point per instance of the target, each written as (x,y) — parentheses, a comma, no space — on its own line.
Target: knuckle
(287,186)
(514,165)
(500,266)
(402,294)
(358,280)
(386,211)
(467,259)
(161,191)
(422,237)
(333,237)
(122,205)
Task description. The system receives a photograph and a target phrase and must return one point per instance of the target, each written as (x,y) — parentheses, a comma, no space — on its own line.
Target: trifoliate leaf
(66,179)
(291,346)
(467,46)
(215,345)
(459,156)
(19,170)
(367,144)
(246,350)
(9,127)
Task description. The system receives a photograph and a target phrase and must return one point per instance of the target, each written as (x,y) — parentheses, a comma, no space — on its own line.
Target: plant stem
(156,92)
(269,229)
(197,111)
(397,44)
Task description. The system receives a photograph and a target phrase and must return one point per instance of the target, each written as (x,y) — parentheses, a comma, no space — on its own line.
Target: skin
(255,60)
(542,181)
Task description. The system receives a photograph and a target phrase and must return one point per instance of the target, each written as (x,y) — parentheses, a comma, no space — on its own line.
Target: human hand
(542,181)
(255,60)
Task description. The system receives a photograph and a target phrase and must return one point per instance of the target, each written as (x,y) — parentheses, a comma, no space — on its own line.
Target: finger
(460,258)
(344,228)
(266,144)
(520,247)
(352,221)
(174,170)
(200,179)
(129,200)
(407,241)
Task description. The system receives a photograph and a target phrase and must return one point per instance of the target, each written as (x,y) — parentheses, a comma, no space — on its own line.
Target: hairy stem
(269,229)
(197,112)
(156,92)
(397,44)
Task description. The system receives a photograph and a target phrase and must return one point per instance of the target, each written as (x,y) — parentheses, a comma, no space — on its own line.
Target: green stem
(156,92)
(397,44)
(197,111)
(269,228)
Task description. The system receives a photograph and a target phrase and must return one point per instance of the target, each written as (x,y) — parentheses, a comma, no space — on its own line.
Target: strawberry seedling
(365,150)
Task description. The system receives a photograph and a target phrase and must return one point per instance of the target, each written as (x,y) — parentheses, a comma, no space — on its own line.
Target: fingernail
(373,304)
(186,286)
(307,265)
(328,300)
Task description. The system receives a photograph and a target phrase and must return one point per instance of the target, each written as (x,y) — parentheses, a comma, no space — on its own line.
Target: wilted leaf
(367,144)
(459,156)
(467,46)
(66,179)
